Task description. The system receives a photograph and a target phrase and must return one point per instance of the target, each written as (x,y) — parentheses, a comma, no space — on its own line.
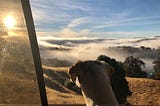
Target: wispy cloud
(73,5)
(48,12)
(76,18)
(64,33)
(69,33)
(129,21)
(57,10)
(77,22)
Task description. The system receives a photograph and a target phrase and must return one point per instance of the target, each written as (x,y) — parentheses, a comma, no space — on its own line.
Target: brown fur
(93,77)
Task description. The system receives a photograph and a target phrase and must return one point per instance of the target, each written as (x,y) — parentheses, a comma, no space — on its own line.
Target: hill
(18,83)
(57,93)
(145,91)
(56,62)
(142,52)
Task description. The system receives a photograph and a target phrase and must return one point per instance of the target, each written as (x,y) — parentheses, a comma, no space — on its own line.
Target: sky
(96,18)
(11,18)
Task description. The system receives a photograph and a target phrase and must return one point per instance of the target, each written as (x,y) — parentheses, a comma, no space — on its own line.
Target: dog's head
(88,75)
(80,68)
(76,70)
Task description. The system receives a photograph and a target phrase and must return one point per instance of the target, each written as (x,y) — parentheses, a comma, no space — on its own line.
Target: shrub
(156,67)
(119,83)
(133,66)
(72,86)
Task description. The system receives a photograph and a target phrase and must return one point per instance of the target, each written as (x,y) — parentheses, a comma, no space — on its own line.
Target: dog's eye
(73,77)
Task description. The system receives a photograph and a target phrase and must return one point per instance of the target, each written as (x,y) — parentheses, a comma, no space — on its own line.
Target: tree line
(133,66)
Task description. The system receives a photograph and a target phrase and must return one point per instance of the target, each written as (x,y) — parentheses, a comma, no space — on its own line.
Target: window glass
(124,34)
(18,82)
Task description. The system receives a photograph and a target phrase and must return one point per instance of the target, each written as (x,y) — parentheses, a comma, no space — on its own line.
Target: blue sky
(97,18)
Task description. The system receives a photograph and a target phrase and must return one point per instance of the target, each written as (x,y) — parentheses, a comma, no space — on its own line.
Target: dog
(93,77)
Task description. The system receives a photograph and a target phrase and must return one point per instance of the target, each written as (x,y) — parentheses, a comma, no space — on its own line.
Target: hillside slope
(145,91)
(57,93)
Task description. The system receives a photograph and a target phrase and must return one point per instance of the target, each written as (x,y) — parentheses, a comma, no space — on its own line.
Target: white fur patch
(88,101)
(77,82)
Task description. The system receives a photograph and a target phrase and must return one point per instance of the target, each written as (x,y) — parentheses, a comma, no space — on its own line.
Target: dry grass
(17,90)
(56,97)
(145,91)
(56,92)
(18,84)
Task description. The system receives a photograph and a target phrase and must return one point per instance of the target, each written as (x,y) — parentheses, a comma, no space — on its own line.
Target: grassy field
(57,93)
(145,91)
(18,83)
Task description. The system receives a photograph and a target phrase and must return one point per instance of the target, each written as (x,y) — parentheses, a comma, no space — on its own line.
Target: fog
(89,49)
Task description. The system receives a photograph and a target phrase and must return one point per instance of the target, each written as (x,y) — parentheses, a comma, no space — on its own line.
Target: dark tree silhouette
(133,67)
(2,40)
(156,66)
(119,83)
(2,28)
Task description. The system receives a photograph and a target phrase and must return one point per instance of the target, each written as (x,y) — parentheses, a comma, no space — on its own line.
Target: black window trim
(35,50)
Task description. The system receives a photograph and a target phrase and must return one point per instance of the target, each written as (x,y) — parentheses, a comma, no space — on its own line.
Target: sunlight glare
(9,22)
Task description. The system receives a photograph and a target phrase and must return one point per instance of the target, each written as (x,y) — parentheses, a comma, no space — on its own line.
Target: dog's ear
(74,70)
(73,73)
(109,69)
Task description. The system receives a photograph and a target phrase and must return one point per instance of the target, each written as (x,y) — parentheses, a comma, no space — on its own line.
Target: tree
(156,66)
(2,46)
(133,67)
(71,85)
(2,40)
(119,83)
(2,29)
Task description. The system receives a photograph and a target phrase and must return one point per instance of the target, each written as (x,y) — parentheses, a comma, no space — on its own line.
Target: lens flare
(9,22)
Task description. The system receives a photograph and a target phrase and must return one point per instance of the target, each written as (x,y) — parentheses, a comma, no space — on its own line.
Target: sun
(9,22)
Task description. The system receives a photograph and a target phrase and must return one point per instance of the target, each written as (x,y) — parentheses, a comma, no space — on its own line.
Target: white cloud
(72,5)
(78,21)
(70,16)
(48,12)
(69,33)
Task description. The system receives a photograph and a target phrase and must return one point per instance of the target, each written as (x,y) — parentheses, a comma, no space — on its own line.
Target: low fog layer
(89,49)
